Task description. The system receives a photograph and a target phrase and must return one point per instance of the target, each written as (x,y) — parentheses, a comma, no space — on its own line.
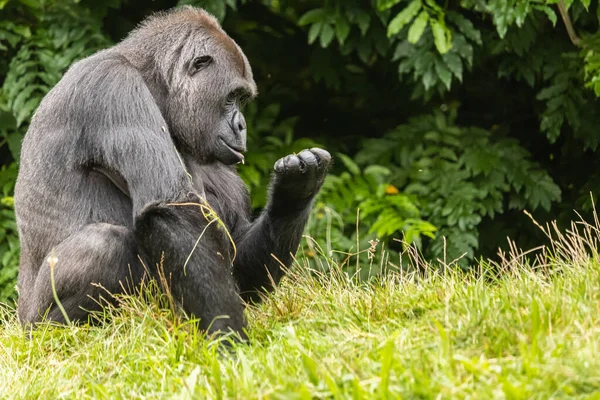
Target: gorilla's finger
(322,155)
(309,158)
(279,165)
(291,162)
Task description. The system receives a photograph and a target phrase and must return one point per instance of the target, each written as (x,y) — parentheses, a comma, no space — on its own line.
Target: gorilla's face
(208,88)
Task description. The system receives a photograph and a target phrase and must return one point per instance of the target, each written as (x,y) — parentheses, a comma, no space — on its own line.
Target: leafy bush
(461,175)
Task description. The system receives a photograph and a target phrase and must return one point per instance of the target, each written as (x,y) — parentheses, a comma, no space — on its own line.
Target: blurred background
(446,119)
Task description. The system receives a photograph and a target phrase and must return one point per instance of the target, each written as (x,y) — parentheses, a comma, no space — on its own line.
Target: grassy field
(534,332)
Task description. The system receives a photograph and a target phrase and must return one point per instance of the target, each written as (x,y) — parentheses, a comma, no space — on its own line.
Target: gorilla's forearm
(264,248)
(268,244)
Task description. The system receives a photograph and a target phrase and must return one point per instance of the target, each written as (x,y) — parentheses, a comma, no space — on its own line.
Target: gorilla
(129,166)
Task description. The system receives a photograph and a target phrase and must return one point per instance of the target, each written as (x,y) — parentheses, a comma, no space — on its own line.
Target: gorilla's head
(200,79)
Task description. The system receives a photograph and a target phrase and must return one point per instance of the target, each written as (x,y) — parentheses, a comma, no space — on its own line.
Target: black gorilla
(118,161)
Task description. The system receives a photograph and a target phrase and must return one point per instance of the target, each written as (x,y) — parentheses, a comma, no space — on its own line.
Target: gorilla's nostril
(238,122)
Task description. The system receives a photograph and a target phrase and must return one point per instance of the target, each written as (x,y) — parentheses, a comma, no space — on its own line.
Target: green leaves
(325,25)
(435,47)
(442,36)
(384,211)
(342,29)
(591,59)
(418,27)
(403,17)
(9,240)
(460,174)
(508,12)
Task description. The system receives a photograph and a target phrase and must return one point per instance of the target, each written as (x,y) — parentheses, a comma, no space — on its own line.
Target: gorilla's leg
(279,229)
(197,256)
(98,255)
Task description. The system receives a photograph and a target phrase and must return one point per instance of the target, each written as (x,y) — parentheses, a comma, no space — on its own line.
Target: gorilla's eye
(238,96)
(244,100)
(201,63)
(232,98)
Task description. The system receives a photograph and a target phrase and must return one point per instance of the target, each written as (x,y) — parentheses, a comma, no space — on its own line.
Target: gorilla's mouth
(237,152)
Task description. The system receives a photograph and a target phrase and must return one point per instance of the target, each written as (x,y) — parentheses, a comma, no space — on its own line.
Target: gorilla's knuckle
(324,158)
(278,167)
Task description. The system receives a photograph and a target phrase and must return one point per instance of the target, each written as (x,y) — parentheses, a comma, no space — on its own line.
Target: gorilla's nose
(238,123)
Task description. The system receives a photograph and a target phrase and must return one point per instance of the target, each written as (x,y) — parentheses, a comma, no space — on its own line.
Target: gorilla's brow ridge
(228,44)
(202,20)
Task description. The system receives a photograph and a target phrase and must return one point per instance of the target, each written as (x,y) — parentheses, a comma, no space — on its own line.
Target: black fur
(123,158)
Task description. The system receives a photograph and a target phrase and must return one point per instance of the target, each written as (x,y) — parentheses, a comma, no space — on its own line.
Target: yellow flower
(391,189)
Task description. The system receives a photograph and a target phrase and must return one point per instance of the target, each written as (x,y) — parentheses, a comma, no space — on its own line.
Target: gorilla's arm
(128,139)
(278,231)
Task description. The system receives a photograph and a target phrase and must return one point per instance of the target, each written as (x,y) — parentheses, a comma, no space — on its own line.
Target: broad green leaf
(500,17)
(403,17)
(441,35)
(465,26)
(403,49)
(549,12)
(443,73)
(364,21)
(383,5)
(312,16)
(429,78)
(454,64)
(521,12)
(463,48)
(7,120)
(14,144)
(552,91)
(326,35)
(349,163)
(314,31)
(342,29)
(418,26)
(586,4)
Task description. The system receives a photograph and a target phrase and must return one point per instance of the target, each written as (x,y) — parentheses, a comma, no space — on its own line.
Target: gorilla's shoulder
(105,68)
(102,90)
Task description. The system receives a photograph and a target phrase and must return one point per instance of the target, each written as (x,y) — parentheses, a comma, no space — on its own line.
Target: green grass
(531,333)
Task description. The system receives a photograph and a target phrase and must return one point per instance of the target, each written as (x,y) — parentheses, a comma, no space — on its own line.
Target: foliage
(591,58)
(461,175)
(367,80)
(359,206)
(9,240)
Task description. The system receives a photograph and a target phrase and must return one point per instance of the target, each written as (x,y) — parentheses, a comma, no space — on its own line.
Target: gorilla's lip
(236,151)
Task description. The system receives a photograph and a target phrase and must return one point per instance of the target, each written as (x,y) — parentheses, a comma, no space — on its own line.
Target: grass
(532,331)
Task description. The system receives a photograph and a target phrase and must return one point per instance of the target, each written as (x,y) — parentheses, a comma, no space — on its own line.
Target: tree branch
(564,13)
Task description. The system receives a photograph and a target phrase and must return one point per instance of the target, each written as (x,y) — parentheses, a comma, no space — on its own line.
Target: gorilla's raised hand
(297,179)
(270,242)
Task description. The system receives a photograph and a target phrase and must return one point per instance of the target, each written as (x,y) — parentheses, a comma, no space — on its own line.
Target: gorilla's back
(57,192)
